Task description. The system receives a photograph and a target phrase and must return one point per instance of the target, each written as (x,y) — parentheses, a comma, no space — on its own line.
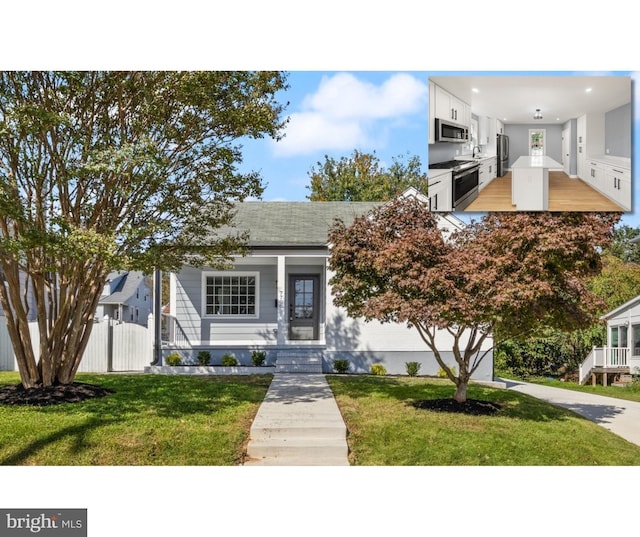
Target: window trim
(210,274)
(634,327)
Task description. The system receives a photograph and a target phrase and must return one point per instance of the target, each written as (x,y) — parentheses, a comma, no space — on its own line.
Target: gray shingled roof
(125,289)
(294,224)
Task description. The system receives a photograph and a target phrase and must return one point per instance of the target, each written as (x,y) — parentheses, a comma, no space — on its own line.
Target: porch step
(298,362)
(310,450)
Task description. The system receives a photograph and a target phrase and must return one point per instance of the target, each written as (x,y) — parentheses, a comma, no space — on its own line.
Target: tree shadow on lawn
(165,396)
(140,397)
(424,392)
(77,432)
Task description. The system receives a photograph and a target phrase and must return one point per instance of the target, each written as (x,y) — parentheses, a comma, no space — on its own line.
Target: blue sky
(335,112)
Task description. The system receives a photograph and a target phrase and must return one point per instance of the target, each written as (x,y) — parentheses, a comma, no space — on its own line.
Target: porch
(605,364)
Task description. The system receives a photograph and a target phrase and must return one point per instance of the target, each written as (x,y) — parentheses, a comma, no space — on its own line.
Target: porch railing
(172,333)
(604,357)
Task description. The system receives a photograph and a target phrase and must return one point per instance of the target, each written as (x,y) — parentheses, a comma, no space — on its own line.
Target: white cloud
(345,96)
(309,132)
(346,112)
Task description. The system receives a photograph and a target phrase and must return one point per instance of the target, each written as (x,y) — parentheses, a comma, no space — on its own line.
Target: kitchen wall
(617,131)
(443,151)
(519,140)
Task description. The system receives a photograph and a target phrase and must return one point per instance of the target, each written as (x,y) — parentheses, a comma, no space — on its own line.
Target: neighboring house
(621,355)
(29,298)
(126,297)
(278,299)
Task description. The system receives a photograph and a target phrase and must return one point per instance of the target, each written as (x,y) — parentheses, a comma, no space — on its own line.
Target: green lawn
(385,429)
(149,420)
(629,393)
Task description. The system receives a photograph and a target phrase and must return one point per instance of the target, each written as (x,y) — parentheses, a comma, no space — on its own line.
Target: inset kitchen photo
(530,143)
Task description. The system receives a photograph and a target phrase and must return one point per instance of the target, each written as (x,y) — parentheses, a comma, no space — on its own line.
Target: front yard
(149,420)
(386,429)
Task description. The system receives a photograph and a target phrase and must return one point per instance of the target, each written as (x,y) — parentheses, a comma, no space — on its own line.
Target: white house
(621,355)
(278,299)
(126,297)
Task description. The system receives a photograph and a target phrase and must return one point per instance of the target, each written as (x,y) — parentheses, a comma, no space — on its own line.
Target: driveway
(618,415)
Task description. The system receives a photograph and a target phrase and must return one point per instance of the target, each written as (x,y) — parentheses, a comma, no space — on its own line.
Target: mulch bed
(474,407)
(51,395)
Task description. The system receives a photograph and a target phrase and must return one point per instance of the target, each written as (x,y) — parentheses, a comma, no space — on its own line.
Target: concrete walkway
(618,415)
(298,424)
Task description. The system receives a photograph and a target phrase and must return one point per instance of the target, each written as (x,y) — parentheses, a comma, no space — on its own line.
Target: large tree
(555,351)
(114,170)
(506,275)
(361,177)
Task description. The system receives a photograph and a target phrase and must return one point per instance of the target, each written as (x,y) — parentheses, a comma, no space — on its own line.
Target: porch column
(282,310)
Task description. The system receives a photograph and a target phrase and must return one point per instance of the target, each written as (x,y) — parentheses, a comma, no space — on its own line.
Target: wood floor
(565,194)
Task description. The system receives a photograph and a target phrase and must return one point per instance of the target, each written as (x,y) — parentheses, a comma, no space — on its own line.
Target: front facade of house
(622,351)
(278,299)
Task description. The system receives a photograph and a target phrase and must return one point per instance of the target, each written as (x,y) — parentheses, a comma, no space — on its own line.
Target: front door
(304,291)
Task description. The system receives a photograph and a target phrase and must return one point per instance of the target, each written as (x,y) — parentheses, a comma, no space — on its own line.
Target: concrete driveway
(618,415)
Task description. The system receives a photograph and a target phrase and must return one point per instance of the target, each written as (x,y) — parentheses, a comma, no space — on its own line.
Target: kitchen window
(230,294)
(537,142)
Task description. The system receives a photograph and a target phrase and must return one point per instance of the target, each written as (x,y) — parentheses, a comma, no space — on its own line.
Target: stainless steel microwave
(446,131)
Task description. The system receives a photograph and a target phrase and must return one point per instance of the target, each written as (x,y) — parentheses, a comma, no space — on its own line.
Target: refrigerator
(502,148)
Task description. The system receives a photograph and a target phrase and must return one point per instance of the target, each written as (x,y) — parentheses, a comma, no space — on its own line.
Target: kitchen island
(530,183)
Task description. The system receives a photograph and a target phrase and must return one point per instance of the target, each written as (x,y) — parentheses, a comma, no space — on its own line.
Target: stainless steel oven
(465,187)
(465,179)
(447,131)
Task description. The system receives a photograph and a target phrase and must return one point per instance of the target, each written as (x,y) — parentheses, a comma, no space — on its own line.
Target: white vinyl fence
(113,346)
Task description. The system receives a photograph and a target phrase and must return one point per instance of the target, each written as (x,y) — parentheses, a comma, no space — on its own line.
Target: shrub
(258,358)
(174,359)
(412,368)
(229,360)
(204,357)
(341,365)
(442,373)
(378,369)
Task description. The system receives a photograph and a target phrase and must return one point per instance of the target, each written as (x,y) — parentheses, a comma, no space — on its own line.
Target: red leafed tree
(505,275)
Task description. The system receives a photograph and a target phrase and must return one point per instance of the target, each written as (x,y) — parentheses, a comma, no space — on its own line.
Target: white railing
(603,357)
(172,333)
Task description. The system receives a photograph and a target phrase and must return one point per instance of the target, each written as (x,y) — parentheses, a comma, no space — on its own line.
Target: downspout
(157,317)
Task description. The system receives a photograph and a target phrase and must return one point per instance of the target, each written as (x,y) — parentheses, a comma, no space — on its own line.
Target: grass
(628,393)
(149,420)
(385,429)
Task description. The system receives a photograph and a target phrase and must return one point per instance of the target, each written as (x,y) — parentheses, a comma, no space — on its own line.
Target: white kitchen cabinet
(617,185)
(499,127)
(610,176)
(432,113)
(449,107)
(440,193)
(594,175)
(487,131)
(590,132)
(487,172)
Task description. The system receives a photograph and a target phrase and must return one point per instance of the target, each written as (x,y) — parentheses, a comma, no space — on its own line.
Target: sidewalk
(298,424)
(618,415)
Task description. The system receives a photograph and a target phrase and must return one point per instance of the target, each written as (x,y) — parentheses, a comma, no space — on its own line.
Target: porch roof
(292,223)
(621,308)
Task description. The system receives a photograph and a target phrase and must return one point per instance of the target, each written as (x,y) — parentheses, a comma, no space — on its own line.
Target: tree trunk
(461,391)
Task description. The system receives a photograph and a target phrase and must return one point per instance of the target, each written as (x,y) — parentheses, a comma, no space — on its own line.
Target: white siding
(212,330)
(628,316)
